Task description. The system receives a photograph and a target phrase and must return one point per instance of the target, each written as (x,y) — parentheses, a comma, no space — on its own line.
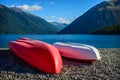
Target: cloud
(49,20)
(52,16)
(62,20)
(28,7)
(12,6)
(57,19)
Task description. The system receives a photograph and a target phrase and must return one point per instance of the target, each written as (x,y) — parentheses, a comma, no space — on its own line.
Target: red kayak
(42,56)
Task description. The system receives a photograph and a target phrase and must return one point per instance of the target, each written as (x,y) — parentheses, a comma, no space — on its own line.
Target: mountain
(15,21)
(114,30)
(59,26)
(106,13)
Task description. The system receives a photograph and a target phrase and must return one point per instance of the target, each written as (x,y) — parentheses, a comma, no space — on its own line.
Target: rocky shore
(13,68)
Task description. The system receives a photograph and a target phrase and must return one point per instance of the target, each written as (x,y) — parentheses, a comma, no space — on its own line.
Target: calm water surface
(99,41)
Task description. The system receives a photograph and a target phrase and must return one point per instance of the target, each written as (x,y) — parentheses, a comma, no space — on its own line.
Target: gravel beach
(13,68)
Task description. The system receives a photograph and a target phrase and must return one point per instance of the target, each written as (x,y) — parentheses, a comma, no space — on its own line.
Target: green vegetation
(15,21)
(107,13)
(114,30)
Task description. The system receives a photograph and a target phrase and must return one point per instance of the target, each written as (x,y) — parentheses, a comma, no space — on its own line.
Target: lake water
(99,41)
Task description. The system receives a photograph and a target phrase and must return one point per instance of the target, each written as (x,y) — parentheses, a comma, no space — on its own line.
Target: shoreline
(11,67)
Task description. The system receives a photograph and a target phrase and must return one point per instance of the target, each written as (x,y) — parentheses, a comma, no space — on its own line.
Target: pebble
(12,68)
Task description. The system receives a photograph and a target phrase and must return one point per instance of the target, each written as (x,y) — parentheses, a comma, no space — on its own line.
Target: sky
(63,11)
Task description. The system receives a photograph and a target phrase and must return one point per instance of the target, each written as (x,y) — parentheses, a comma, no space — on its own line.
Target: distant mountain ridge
(59,26)
(15,21)
(105,14)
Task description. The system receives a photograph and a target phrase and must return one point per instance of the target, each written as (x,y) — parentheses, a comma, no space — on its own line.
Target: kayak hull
(40,55)
(78,51)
